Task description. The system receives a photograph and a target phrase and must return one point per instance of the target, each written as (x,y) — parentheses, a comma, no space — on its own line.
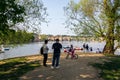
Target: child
(72,50)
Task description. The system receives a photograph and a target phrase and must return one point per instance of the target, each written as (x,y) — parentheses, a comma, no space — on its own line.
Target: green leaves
(80,17)
(110,69)
(36,14)
(11,13)
(95,17)
(19,16)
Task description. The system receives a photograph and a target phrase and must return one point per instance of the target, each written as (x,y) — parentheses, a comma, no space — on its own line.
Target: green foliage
(22,37)
(43,37)
(93,16)
(99,18)
(11,13)
(110,70)
(12,69)
(16,37)
(19,16)
(88,7)
(83,20)
(36,14)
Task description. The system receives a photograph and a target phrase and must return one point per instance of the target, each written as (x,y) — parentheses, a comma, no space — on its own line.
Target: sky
(56,17)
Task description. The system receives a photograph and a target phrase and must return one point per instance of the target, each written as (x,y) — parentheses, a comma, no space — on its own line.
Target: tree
(15,13)
(97,18)
(43,37)
(112,12)
(36,14)
(10,14)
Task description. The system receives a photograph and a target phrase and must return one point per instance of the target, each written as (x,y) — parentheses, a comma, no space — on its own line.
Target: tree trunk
(109,47)
(110,37)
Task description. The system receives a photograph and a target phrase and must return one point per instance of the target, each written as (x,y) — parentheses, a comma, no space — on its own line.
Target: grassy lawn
(12,69)
(110,69)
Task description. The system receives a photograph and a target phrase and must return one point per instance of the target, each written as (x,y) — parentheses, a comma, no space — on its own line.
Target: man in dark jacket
(56,54)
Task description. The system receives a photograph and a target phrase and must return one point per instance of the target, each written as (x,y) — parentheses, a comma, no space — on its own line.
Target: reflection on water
(33,48)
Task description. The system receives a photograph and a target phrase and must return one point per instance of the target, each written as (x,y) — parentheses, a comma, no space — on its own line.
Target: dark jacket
(57,47)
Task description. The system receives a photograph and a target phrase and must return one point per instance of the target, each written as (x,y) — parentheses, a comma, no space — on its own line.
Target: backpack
(41,50)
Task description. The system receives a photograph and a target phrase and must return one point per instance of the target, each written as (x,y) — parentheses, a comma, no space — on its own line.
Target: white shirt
(45,49)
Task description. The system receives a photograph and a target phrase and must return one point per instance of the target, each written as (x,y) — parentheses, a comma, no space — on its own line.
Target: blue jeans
(55,61)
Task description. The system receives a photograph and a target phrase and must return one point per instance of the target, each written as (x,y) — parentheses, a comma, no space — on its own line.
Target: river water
(33,48)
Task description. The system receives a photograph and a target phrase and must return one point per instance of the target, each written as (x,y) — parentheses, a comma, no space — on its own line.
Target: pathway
(69,69)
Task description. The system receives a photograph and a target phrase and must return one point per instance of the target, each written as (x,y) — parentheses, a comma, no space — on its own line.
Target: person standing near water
(84,47)
(87,48)
(45,53)
(56,54)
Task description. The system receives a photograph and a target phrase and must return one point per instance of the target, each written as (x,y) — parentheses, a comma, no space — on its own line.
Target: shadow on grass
(110,70)
(14,68)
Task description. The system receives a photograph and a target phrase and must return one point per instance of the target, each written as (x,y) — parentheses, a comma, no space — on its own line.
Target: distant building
(66,38)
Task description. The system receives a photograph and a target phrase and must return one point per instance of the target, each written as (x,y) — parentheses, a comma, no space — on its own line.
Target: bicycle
(70,55)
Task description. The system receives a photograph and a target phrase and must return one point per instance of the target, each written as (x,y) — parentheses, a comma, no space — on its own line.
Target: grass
(12,69)
(110,69)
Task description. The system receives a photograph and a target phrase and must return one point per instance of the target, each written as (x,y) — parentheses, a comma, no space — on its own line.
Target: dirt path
(69,69)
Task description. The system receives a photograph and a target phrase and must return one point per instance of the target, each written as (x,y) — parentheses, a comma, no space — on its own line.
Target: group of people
(56,53)
(87,48)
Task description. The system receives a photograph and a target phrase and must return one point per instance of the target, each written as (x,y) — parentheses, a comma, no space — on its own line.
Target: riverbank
(12,69)
(79,69)
(25,67)
(31,68)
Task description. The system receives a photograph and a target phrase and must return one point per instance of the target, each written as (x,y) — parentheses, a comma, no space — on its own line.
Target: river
(33,48)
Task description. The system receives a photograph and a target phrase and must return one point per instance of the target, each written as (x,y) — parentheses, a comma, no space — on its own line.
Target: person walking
(45,53)
(56,54)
